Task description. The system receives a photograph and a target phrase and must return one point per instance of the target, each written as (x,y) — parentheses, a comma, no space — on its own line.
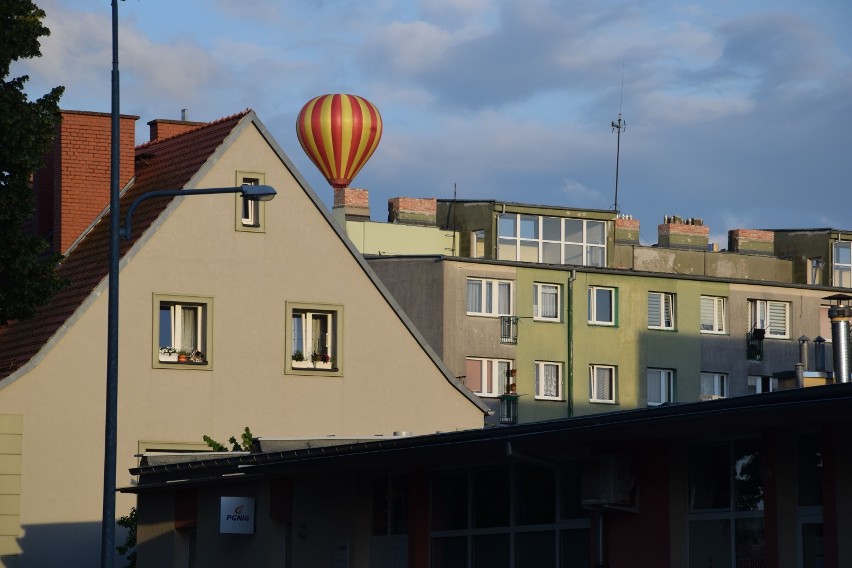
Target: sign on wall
(236,515)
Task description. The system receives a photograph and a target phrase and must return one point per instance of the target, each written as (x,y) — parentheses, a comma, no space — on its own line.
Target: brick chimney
(73,187)
(683,233)
(413,211)
(162,128)
(626,230)
(352,202)
(751,241)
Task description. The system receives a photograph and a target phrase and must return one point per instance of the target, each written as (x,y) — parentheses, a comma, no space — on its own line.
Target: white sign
(236,515)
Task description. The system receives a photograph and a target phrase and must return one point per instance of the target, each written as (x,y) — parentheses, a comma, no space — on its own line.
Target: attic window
(249,215)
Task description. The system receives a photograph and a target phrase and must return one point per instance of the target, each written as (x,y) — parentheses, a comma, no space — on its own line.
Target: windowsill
(493,316)
(548,320)
(549,399)
(312,365)
(662,328)
(602,401)
(602,323)
(706,332)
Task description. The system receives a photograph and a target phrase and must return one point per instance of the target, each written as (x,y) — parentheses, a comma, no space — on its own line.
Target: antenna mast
(618,126)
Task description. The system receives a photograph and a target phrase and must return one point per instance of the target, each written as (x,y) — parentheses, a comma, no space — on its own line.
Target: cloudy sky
(737,111)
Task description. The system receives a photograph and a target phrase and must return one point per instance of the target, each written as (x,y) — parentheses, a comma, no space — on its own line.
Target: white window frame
(199,354)
(306,314)
(593,379)
(592,300)
(477,240)
(664,379)
(250,215)
(540,370)
(667,305)
(513,242)
(539,289)
(720,304)
(755,382)
(713,385)
(492,366)
(492,308)
(841,271)
(764,314)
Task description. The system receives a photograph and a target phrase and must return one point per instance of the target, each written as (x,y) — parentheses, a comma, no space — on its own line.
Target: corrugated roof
(163,164)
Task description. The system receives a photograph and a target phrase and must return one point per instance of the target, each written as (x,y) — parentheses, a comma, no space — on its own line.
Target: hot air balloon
(339,133)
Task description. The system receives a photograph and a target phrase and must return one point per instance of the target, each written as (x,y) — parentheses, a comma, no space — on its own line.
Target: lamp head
(258,192)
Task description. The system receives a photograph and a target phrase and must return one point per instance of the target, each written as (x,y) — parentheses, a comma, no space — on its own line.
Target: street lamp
(250,192)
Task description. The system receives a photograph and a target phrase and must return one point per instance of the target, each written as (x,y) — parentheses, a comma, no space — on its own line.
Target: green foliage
(243,446)
(128,549)
(27,129)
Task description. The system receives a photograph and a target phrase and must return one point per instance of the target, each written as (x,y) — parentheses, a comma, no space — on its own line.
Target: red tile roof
(163,164)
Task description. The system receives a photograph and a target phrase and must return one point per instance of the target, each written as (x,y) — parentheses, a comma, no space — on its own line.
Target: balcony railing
(509,329)
(754,344)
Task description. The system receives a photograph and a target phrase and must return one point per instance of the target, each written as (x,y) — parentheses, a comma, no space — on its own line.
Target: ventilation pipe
(840,317)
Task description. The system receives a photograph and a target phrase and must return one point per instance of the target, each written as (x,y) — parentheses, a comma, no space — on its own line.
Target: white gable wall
(389,383)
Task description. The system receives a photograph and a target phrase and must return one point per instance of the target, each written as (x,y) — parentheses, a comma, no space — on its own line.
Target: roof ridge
(196,129)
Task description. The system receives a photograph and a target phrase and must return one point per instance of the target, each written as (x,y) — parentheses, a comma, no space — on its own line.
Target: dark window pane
(751,547)
(810,471)
(748,485)
(710,477)
(449,552)
(536,495)
(380,506)
(710,543)
(449,500)
(490,498)
(535,549)
(551,228)
(490,551)
(570,494)
(574,548)
(399,505)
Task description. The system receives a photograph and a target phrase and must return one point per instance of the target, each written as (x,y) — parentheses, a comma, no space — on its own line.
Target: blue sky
(737,111)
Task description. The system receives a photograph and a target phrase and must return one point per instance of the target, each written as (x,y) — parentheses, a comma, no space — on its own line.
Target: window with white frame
(661,386)
(486,297)
(758,384)
(546,301)
(842,264)
(660,310)
(477,244)
(714,385)
(314,336)
(250,213)
(182,330)
(712,316)
(487,377)
(548,380)
(601,305)
(772,316)
(552,240)
(602,381)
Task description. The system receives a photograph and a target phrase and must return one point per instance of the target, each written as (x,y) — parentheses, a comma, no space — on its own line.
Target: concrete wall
(251,276)
(389,238)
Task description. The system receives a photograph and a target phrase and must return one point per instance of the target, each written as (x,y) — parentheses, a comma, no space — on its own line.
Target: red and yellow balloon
(339,133)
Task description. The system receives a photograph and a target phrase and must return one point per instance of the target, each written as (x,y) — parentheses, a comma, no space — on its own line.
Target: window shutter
(777,318)
(654,315)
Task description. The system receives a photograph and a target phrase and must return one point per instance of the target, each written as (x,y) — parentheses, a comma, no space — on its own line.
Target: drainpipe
(570,332)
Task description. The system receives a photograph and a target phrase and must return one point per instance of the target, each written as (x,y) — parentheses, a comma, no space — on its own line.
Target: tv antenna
(618,126)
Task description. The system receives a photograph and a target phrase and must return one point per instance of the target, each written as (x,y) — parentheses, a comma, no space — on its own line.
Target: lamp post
(251,192)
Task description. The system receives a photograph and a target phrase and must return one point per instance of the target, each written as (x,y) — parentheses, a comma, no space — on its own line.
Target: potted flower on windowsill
(299,361)
(168,354)
(183,356)
(321,359)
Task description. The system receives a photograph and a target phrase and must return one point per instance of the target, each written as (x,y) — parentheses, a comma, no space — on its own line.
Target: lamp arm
(126,230)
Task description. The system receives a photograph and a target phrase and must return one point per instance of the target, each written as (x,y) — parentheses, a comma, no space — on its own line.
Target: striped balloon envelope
(339,133)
